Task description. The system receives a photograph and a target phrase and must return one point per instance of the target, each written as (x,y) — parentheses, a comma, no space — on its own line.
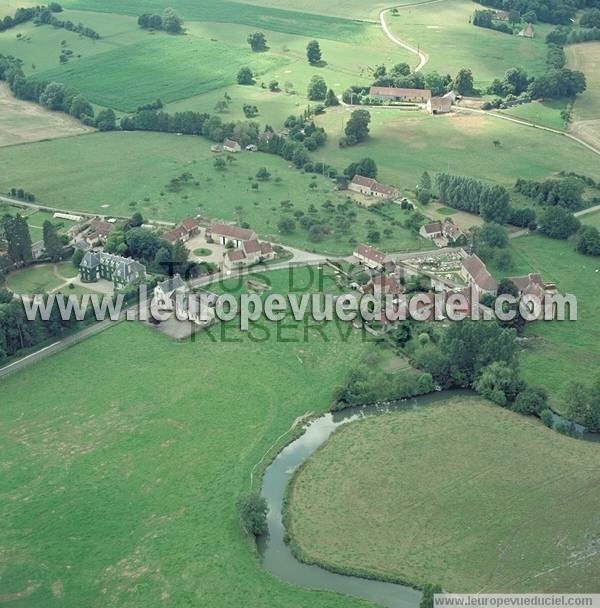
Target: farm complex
(298,302)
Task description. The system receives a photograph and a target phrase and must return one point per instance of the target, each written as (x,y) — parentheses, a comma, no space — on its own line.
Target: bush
(530,401)
(547,418)
(253,513)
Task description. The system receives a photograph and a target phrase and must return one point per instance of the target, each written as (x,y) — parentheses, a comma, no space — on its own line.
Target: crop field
(225,11)
(586,110)
(559,351)
(399,496)
(109,160)
(21,121)
(123,492)
(406,143)
(173,67)
(442,31)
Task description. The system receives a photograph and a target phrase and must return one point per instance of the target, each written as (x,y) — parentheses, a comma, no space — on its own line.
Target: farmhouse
(371,187)
(439,105)
(183,231)
(383,285)
(396,94)
(474,272)
(431,231)
(229,145)
(121,271)
(226,233)
(98,231)
(250,253)
(173,295)
(370,257)
(438,230)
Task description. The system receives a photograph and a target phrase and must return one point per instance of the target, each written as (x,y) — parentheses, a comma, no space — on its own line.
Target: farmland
(108,160)
(125,489)
(22,121)
(399,496)
(586,110)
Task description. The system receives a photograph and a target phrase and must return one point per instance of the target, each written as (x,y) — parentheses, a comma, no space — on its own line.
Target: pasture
(586,110)
(559,351)
(406,143)
(443,32)
(545,113)
(109,160)
(464,494)
(125,489)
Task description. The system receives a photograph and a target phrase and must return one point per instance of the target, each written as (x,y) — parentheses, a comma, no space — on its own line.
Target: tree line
(548,11)
(53,95)
(566,192)
(45,16)
(23,15)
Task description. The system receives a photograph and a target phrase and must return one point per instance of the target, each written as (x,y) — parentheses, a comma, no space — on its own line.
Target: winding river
(276,555)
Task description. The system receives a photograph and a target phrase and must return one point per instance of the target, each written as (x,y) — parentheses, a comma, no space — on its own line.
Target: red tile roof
(370,253)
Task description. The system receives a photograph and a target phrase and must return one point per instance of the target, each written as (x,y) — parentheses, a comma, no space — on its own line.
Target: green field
(405,143)
(510,507)
(173,68)
(546,113)
(225,11)
(443,32)
(593,219)
(565,350)
(109,160)
(119,482)
(40,279)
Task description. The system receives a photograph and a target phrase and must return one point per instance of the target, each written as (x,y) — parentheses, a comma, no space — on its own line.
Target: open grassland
(109,160)
(357,9)
(163,66)
(559,351)
(545,113)
(40,279)
(22,121)
(121,471)
(406,143)
(464,494)
(40,46)
(442,31)
(225,11)
(586,110)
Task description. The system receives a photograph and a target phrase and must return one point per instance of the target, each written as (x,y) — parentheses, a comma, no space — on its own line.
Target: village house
(96,265)
(371,187)
(98,231)
(173,295)
(370,257)
(183,231)
(383,285)
(439,105)
(226,233)
(474,272)
(441,230)
(251,252)
(229,145)
(396,94)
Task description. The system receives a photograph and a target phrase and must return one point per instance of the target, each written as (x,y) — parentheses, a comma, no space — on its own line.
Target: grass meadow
(506,507)
(406,143)
(559,351)
(109,160)
(40,279)
(546,113)
(442,31)
(225,11)
(121,469)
